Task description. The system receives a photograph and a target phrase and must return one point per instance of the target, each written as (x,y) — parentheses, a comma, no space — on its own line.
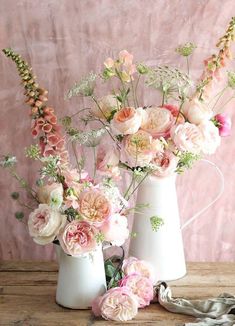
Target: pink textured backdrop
(63,40)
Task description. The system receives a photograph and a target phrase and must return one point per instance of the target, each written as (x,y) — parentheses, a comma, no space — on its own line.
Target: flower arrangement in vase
(151,143)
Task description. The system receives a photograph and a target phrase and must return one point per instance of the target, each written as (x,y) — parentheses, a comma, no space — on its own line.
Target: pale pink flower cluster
(135,291)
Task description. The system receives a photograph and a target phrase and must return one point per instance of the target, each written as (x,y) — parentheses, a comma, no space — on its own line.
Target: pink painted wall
(63,40)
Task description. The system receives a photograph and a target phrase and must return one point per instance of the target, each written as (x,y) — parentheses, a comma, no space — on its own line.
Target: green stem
(163,97)
(181,104)
(106,127)
(187,60)
(94,156)
(227,101)
(134,190)
(73,115)
(76,158)
(219,97)
(133,94)
(96,102)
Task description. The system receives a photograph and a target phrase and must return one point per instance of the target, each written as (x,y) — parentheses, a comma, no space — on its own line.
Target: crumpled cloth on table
(211,312)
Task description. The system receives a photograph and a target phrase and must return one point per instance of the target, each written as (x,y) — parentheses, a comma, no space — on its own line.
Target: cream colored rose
(45,224)
(211,137)
(158,121)
(197,111)
(187,137)
(127,121)
(51,194)
(140,148)
(115,230)
(107,104)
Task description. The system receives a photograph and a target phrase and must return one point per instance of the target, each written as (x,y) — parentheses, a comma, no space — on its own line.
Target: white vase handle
(196,215)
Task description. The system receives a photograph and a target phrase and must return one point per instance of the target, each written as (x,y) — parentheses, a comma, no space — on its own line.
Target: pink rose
(117,304)
(115,230)
(141,287)
(158,121)
(107,161)
(107,105)
(197,111)
(224,123)
(126,121)
(45,223)
(133,265)
(187,137)
(140,148)
(78,238)
(165,163)
(51,194)
(172,108)
(211,137)
(94,207)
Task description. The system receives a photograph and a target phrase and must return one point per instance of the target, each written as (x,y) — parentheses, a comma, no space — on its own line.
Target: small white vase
(80,279)
(162,248)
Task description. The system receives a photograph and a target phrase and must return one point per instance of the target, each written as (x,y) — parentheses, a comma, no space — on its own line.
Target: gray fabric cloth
(212,312)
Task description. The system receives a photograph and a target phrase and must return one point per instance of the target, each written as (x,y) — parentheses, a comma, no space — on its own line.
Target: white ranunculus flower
(211,137)
(51,194)
(45,224)
(197,111)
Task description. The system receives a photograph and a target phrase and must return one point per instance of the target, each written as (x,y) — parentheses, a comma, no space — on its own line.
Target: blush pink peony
(45,224)
(133,265)
(141,287)
(165,163)
(118,304)
(78,238)
(115,230)
(94,207)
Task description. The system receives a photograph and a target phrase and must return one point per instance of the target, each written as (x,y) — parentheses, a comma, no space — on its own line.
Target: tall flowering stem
(44,122)
(217,61)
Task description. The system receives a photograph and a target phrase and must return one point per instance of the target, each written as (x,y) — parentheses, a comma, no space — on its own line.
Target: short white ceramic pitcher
(80,279)
(163,248)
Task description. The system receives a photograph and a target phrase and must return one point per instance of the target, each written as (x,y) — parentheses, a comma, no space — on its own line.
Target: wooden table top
(27,295)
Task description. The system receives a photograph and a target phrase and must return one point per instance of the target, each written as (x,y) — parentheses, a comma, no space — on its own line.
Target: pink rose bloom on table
(224,123)
(115,230)
(211,137)
(158,121)
(187,137)
(45,224)
(118,304)
(107,161)
(140,148)
(107,105)
(133,265)
(165,163)
(141,287)
(78,238)
(127,121)
(51,194)
(197,111)
(94,207)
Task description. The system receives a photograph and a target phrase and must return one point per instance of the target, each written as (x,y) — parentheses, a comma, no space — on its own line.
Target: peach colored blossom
(140,148)
(187,137)
(127,121)
(158,121)
(141,287)
(107,161)
(109,63)
(94,206)
(78,238)
(133,265)
(165,163)
(51,194)
(125,57)
(118,304)
(45,224)
(115,229)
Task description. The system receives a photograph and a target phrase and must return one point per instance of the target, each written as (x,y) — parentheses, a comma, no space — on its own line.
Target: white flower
(115,230)
(51,194)
(196,111)
(211,137)
(45,224)
(107,105)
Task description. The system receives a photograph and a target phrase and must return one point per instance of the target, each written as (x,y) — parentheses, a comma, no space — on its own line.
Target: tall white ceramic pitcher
(162,248)
(80,279)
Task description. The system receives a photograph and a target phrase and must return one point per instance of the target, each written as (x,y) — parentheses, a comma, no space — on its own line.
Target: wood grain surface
(27,295)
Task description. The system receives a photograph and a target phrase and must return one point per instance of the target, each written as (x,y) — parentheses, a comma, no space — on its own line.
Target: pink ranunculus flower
(158,121)
(127,121)
(51,194)
(141,287)
(115,229)
(187,137)
(78,238)
(140,148)
(126,58)
(107,104)
(172,108)
(165,163)
(224,123)
(108,160)
(197,111)
(45,224)
(133,265)
(118,304)
(211,137)
(71,201)
(109,63)
(71,177)
(94,206)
